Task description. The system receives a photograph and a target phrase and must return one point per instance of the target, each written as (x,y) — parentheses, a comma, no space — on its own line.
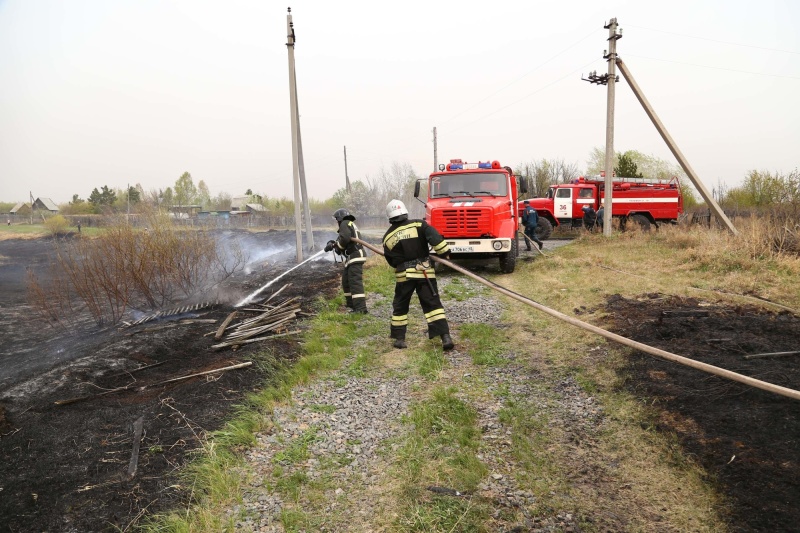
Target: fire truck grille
(463,222)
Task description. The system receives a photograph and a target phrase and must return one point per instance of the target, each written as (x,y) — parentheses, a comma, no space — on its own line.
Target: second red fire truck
(643,201)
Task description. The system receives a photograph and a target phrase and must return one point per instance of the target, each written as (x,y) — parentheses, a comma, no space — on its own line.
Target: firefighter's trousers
(353,286)
(431,306)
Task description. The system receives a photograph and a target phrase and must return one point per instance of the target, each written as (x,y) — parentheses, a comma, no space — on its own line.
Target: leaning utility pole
(302,167)
(609,79)
(709,198)
(294,115)
(435,152)
(346,177)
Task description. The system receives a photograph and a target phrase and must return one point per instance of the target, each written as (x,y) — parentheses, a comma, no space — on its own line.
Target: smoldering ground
(62,467)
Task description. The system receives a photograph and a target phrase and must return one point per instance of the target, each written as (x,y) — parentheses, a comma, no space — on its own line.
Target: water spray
(258,291)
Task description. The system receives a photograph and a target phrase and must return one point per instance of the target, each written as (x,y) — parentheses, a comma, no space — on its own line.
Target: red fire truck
(473,206)
(643,201)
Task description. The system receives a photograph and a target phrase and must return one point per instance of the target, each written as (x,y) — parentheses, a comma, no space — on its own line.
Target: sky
(118,92)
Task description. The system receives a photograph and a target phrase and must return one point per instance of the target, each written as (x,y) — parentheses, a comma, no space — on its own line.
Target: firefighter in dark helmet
(405,247)
(354,258)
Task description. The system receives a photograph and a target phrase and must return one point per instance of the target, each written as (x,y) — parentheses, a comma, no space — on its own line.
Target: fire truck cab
(473,206)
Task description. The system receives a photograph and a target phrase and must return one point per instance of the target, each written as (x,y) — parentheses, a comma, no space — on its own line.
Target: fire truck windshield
(469,184)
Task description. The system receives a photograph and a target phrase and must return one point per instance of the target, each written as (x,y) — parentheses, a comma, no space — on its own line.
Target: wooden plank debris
(138,427)
(224,325)
(772,354)
(269,317)
(143,387)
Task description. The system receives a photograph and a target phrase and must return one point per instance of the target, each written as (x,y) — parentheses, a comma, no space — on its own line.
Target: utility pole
(346,177)
(30,193)
(295,158)
(302,167)
(128,196)
(709,198)
(610,80)
(435,152)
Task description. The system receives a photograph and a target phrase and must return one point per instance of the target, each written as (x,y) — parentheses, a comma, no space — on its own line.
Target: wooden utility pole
(435,152)
(293,114)
(346,177)
(709,198)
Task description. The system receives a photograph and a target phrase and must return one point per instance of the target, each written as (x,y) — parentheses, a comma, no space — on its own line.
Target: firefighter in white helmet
(405,247)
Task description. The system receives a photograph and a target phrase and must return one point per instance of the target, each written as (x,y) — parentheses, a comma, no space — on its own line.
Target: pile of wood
(258,322)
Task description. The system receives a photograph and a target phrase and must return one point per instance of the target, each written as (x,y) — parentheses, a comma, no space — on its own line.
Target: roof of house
(48,204)
(240,201)
(18,207)
(256,207)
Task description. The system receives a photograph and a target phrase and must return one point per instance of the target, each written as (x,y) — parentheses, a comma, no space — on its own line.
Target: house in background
(45,204)
(22,209)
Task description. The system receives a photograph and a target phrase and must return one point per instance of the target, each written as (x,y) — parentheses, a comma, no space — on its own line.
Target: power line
(573,45)
(715,68)
(526,96)
(715,40)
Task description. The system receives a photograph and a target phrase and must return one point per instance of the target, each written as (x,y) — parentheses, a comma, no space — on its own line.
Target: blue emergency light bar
(469,166)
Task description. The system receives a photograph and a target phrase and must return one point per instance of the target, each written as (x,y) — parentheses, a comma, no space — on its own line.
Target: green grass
(484,347)
(440,450)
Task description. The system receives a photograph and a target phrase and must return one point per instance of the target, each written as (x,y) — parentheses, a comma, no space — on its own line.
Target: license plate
(459,249)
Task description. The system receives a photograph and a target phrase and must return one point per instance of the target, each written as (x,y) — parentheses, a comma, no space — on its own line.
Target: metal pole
(609,181)
(302,167)
(709,198)
(346,177)
(435,152)
(293,114)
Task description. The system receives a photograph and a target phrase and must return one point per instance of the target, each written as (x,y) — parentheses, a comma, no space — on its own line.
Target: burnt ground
(747,440)
(64,468)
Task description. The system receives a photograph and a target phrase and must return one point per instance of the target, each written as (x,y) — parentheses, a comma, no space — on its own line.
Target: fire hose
(711,369)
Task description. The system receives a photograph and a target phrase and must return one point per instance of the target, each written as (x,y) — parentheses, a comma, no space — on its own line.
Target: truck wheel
(544,228)
(509,260)
(642,221)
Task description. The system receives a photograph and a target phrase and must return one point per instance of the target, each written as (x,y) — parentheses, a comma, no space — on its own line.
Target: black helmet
(342,214)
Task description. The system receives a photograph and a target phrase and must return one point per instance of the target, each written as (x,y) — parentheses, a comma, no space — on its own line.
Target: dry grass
(650,481)
(124,267)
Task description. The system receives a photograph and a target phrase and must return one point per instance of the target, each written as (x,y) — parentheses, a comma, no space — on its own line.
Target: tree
(627,167)
(221,202)
(106,197)
(76,200)
(167,198)
(545,172)
(185,190)
(203,194)
(133,195)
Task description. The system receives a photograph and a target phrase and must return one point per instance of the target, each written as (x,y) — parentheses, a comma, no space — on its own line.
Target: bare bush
(124,267)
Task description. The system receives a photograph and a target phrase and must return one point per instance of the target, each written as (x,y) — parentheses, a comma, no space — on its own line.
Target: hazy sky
(110,92)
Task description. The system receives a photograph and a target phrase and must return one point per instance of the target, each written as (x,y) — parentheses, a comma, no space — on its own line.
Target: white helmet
(395,208)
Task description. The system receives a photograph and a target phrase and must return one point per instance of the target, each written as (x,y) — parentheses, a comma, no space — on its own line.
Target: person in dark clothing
(353,275)
(530,219)
(405,247)
(589,217)
(600,214)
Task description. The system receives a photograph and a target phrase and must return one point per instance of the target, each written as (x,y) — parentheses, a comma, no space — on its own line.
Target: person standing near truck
(600,214)
(530,219)
(355,257)
(589,217)
(405,247)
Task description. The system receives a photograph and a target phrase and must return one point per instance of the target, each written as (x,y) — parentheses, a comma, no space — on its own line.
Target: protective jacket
(530,218)
(353,252)
(405,247)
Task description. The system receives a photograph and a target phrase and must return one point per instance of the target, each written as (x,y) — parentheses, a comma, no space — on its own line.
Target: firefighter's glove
(330,245)
(444,255)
